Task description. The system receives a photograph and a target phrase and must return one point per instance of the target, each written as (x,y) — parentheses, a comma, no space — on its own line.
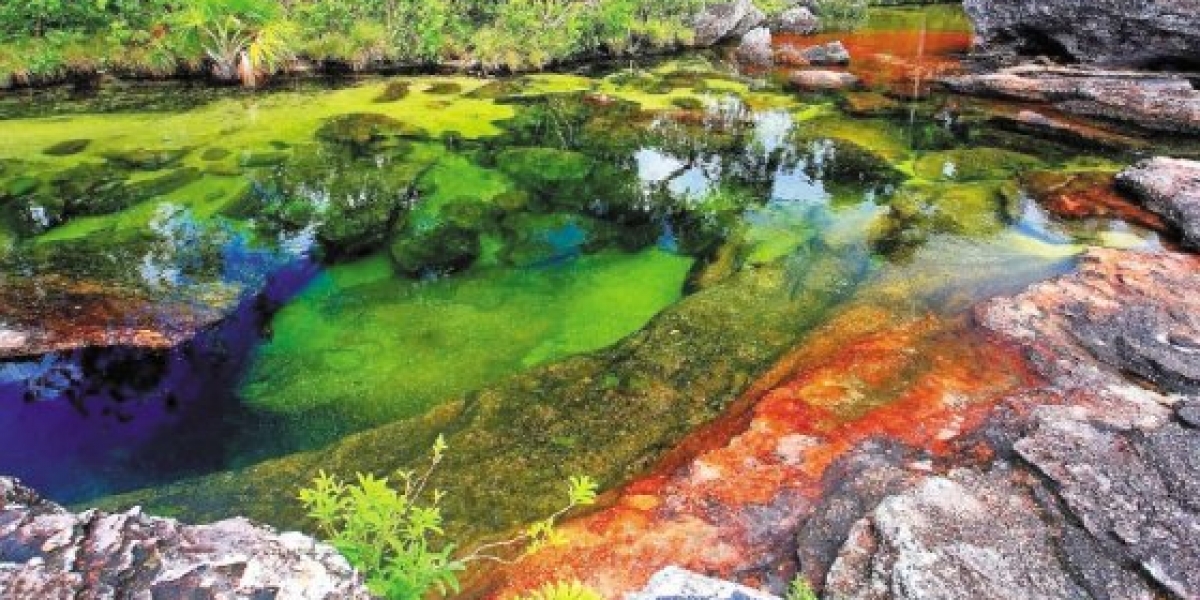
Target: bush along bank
(247,41)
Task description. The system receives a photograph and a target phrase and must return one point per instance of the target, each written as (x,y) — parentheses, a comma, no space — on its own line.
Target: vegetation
(800,589)
(393,535)
(242,39)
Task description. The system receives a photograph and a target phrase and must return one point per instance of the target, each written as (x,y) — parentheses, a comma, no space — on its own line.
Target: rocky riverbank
(49,553)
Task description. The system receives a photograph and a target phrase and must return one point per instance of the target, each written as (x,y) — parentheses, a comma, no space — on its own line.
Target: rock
(1068,130)
(755,49)
(1171,188)
(674,583)
(1086,195)
(67,148)
(967,535)
(727,21)
(798,20)
(1155,102)
(825,55)
(47,552)
(1189,413)
(1131,33)
(1134,492)
(871,104)
(817,80)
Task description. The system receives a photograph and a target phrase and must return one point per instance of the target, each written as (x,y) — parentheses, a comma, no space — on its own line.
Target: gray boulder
(674,583)
(1171,188)
(797,20)
(755,48)
(1137,33)
(48,553)
(730,20)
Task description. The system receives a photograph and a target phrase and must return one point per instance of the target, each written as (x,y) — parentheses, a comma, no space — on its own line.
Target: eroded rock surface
(47,553)
(1157,102)
(1136,33)
(1171,188)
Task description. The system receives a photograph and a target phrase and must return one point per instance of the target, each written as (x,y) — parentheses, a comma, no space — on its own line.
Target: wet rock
(966,535)
(1171,188)
(363,131)
(1083,31)
(147,159)
(1074,131)
(67,148)
(974,164)
(674,583)
(798,20)
(726,21)
(1189,413)
(444,88)
(755,48)
(871,104)
(547,171)
(1143,339)
(823,55)
(816,80)
(47,552)
(1158,102)
(395,91)
(1086,195)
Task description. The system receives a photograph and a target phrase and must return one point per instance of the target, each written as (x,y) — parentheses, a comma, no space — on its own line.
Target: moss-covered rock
(364,131)
(67,148)
(974,164)
(147,159)
(394,91)
(531,239)
(546,171)
(214,154)
(444,88)
(919,212)
(443,248)
(843,162)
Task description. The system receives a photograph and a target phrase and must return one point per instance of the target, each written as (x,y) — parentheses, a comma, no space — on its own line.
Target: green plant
(842,15)
(563,590)
(394,535)
(800,589)
(240,37)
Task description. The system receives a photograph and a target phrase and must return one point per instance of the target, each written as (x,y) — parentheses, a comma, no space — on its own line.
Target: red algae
(1088,195)
(903,61)
(729,502)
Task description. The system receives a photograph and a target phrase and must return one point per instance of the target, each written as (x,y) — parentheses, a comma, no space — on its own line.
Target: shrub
(842,15)
(800,590)
(563,590)
(393,535)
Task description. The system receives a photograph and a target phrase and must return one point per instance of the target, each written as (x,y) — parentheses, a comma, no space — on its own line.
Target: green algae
(446,337)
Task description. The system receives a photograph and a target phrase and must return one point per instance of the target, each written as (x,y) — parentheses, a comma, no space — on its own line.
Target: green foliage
(563,590)
(394,534)
(842,15)
(800,589)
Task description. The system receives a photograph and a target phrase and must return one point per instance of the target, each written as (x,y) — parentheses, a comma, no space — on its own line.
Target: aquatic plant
(392,534)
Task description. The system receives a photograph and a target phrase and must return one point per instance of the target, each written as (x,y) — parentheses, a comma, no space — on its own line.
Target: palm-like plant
(241,38)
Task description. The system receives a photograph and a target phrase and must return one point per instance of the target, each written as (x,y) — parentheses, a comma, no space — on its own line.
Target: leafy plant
(563,590)
(842,15)
(240,37)
(800,589)
(393,534)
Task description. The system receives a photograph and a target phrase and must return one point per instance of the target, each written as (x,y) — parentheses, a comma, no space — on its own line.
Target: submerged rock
(49,553)
(1171,188)
(823,55)
(1131,33)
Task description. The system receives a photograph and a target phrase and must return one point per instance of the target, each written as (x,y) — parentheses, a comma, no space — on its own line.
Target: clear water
(596,262)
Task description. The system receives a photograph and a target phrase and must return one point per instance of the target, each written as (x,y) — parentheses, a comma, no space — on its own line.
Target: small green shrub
(394,535)
(800,589)
(842,15)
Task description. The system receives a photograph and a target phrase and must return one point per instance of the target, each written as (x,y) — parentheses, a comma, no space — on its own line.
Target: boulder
(727,21)
(798,20)
(1138,33)
(673,583)
(823,55)
(1171,188)
(821,80)
(47,552)
(755,49)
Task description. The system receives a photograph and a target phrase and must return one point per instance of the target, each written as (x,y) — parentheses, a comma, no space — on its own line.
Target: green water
(563,273)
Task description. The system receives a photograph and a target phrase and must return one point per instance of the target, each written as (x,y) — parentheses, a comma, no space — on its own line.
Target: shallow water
(388,246)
